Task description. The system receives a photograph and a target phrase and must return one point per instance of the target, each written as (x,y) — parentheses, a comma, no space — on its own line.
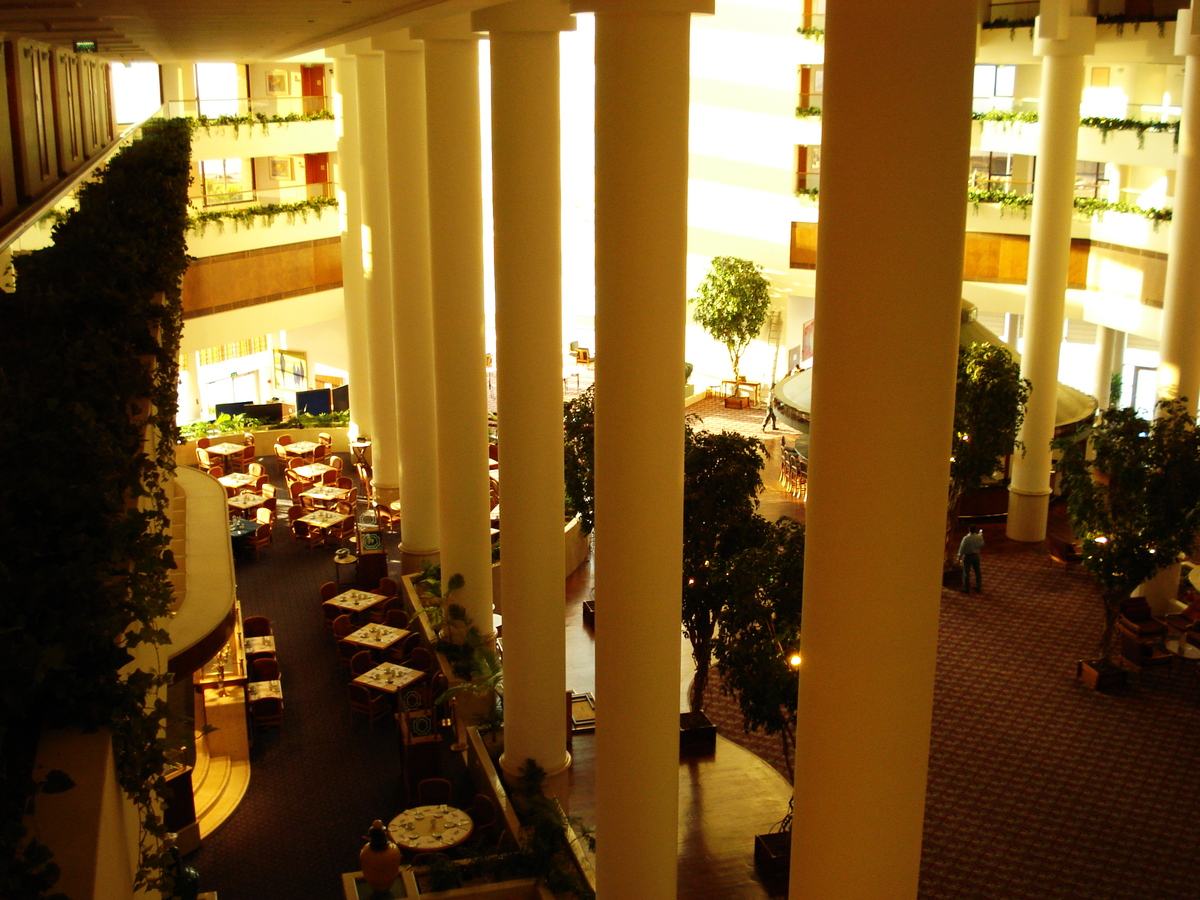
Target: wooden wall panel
(234,280)
(804,245)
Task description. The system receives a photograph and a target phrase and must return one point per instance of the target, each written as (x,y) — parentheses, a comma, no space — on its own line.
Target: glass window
(225,181)
(217,89)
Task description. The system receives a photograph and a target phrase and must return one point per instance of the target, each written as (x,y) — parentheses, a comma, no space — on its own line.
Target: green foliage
(721,480)
(579,456)
(989,407)
(261,119)
(817,34)
(1141,511)
(88,376)
(318,420)
(249,216)
(732,303)
(223,424)
(760,630)
(808,112)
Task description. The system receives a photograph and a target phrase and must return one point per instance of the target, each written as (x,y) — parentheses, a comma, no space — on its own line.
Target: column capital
(1078,38)
(643,7)
(398,42)
(451,28)
(524,16)
(1187,34)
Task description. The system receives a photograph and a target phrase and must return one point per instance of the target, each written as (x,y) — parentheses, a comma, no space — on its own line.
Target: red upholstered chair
(421,659)
(264,668)
(266,711)
(368,703)
(361,663)
(1136,617)
(378,614)
(396,618)
(256,626)
(387,587)
(1137,654)
(433,791)
(328,590)
(1186,620)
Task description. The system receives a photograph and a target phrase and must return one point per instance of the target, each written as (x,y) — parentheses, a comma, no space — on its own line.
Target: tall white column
(1179,364)
(1102,374)
(456,232)
(376,240)
(349,194)
(179,87)
(412,289)
(1063,41)
(863,742)
(526,201)
(1012,331)
(642,49)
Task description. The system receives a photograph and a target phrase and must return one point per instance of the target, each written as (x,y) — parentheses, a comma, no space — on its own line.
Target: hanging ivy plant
(88,377)
(262,119)
(249,216)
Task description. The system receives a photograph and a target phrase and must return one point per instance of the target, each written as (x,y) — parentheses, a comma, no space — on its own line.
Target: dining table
(323,519)
(239,527)
(355,600)
(313,471)
(430,828)
(389,677)
(300,448)
(325,494)
(246,501)
(256,690)
(225,451)
(376,637)
(237,480)
(262,644)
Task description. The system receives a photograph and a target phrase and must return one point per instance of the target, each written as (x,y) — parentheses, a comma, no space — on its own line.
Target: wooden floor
(725,799)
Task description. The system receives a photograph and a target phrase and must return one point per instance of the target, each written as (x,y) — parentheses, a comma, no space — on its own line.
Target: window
(217,89)
(991,171)
(225,181)
(994,88)
(812,86)
(808,167)
(1090,179)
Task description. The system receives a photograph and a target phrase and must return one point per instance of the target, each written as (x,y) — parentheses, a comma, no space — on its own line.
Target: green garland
(88,370)
(806,112)
(817,34)
(262,119)
(1104,124)
(249,216)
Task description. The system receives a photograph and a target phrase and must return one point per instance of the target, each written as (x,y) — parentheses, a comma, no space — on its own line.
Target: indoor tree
(731,304)
(759,636)
(721,481)
(989,407)
(1135,501)
(579,455)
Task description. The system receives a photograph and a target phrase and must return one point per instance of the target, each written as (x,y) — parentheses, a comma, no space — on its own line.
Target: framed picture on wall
(277,82)
(806,352)
(291,370)
(281,168)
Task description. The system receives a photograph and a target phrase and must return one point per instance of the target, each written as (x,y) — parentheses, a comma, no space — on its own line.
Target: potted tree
(721,481)
(731,304)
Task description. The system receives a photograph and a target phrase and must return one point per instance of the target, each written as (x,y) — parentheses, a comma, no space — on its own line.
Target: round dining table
(430,828)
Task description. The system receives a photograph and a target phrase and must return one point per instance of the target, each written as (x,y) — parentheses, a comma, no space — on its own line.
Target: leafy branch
(249,216)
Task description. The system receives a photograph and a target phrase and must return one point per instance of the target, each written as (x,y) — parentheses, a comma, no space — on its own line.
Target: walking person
(770,416)
(968,555)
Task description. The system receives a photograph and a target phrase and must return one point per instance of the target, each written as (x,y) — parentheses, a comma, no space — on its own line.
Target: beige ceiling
(211,30)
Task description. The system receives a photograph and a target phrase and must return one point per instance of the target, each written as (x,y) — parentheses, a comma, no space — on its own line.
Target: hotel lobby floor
(1038,787)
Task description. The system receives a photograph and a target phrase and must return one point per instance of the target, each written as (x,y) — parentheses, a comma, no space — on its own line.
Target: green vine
(806,112)
(249,216)
(809,31)
(261,119)
(88,372)
(1120,20)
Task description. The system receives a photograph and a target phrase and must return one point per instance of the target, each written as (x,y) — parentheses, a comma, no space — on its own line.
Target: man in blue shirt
(968,555)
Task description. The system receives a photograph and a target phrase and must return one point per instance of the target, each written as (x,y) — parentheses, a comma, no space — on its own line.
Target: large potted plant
(721,481)
(731,304)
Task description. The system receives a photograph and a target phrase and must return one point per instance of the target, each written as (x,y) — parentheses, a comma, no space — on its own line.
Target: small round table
(430,828)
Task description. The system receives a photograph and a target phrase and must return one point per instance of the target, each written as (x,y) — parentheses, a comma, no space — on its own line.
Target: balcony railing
(252,107)
(239,199)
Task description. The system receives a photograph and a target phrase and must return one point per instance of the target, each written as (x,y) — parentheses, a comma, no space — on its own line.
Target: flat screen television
(341,398)
(314,402)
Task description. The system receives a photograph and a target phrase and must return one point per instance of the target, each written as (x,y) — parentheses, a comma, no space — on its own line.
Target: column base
(1027,514)
(413,559)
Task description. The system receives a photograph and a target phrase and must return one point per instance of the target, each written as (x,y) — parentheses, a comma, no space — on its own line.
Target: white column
(1179,365)
(642,49)
(863,742)
(377,272)
(1102,377)
(1063,41)
(526,208)
(179,87)
(1012,331)
(412,312)
(349,194)
(456,231)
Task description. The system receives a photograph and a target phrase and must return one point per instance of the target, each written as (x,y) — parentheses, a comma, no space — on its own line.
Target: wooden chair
(262,536)
(264,516)
(247,439)
(434,791)
(203,460)
(402,648)
(396,618)
(320,453)
(329,615)
(271,504)
(256,469)
(341,533)
(342,626)
(347,651)
(266,711)
(1135,616)
(329,477)
(295,489)
(388,587)
(336,462)
(378,614)
(361,663)
(264,668)
(389,519)
(240,463)
(326,439)
(368,703)
(328,591)
(281,455)
(483,814)
(290,475)
(284,439)
(421,659)
(268,490)
(307,503)
(203,442)
(256,626)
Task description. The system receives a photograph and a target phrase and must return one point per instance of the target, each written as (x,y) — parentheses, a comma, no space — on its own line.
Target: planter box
(697,735)
(737,402)
(773,854)
(1100,674)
